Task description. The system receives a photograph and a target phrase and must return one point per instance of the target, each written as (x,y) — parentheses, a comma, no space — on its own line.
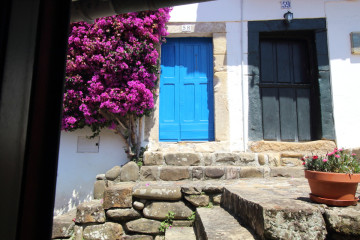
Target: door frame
(217,32)
(317,26)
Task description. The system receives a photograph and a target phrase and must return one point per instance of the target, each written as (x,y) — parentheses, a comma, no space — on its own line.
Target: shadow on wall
(218,11)
(77,171)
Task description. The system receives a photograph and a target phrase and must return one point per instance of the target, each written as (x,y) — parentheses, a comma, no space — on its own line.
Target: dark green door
(286,89)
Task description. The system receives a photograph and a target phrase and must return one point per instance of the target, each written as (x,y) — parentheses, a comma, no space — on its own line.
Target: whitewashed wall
(343,17)
(77,171)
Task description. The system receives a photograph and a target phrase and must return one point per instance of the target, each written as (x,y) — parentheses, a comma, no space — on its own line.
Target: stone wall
(129,210)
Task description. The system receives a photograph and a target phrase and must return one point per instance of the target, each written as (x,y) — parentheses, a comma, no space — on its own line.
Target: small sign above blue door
(186,90)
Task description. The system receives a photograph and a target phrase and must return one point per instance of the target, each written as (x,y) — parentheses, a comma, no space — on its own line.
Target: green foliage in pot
(337,161)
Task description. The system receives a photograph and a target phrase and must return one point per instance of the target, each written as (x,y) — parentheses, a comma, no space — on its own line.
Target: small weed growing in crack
(167,223)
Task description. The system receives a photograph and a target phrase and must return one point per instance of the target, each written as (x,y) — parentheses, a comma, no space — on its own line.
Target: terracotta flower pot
(335,189)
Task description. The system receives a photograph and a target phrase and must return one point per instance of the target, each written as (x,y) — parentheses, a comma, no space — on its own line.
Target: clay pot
(334,189)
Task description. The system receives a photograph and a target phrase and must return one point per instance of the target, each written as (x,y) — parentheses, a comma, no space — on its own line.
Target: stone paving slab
(217,224)
(180,233)
(278,208)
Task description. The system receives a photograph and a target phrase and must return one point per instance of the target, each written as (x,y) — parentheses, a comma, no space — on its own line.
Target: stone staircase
(256,208)
(236,195)
(217,224)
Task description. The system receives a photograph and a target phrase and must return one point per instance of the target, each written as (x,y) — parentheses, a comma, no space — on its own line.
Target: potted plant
(333,179)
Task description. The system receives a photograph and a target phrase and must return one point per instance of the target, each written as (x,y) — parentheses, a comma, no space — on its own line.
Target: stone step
(180,233)
(175,173)
(276,210)
(63,225)
(217,224)
(209,159)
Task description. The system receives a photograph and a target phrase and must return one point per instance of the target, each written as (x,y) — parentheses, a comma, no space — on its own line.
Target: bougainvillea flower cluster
(112,65)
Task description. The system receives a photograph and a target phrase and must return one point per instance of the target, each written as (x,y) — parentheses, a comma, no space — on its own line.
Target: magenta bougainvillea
(112,67)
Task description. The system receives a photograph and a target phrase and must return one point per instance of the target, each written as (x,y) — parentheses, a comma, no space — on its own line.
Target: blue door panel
(186,92)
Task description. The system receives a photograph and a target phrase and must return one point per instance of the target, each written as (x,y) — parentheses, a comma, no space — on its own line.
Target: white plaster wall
(230,10)
(236,94)
(77,171)
(214,11)
(343,17)
(257,10)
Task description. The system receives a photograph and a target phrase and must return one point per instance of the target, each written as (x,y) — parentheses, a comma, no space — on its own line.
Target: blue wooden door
(186,90)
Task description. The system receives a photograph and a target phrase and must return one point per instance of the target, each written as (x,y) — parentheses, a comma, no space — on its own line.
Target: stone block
(118,196)
(198,200)
(180,233)
(199,28)
(216,223)
(232,172)
(129,172)
(78,233)
(247,159)
(274,159)
(108,230)
(144,226)
(153,158)
(272,213)
(251,172)
(182,223)
(159,210)
(213,189)
(122,214)
(174,173)
(159,237)
(182,159)
(343,221)
(113,173)
(290,162)
(197,173)
(191,189)
(262,159)
(221,116)
(137,237)
(99,189)
(208,159)
(219,41)
(63,225)
(90,212)
(138,205)
(100,176)
(149,173)
(296,172)
(170,193)
(220,84)
(203,148)
(316,147)
(214,172)
(216,199)
(220,63)
(226,158)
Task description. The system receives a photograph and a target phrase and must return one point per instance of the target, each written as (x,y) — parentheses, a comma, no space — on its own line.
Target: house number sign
(186,28)
(285,4)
